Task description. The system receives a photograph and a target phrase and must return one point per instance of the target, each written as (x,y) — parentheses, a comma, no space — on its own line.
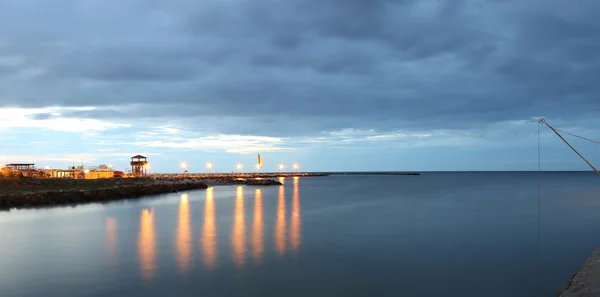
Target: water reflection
(295,219)
(280,222)
(209,243)
(184,236)
(238,236)
(147,243)
(257,228)
(111,239)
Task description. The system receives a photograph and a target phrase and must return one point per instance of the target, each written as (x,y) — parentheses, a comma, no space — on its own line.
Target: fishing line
(539,186)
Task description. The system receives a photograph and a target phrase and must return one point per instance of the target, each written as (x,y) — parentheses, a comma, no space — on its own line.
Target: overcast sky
(330,84)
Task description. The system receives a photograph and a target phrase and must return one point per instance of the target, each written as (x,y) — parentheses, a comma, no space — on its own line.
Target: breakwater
(79,195)
(28,192)
(586,282)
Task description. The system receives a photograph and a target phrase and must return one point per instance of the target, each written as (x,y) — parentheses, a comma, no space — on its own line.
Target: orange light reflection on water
(147,243)
(280,223)
(111,239)
(209,232)
(257,228)
(184,236)
(295,223)
(238,236)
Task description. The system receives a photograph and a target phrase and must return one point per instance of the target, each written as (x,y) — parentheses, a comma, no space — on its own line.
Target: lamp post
(209,166)
(183,166)
(239,167)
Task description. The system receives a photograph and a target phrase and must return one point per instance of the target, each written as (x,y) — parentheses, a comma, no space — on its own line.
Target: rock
(261,182)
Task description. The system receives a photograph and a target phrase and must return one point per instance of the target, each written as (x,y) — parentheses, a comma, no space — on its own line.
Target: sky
(332,85)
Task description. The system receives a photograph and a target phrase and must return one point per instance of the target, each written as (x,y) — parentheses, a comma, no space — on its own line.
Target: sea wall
(71,196)
(586,282)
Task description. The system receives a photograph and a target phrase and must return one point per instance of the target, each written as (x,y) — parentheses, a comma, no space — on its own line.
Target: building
(27,169)
(139,165)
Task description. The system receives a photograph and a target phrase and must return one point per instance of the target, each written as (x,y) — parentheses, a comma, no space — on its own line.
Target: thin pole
(582,157)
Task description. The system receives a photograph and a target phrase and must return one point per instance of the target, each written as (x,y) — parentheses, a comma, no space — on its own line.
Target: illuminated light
(209,165)
(109,166)
(281,166)
(239,166)
(47,167)
(146,165)
(295,166)
(257,166)
(183,165)
(86,171)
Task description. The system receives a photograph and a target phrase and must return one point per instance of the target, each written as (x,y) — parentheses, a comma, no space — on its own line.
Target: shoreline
(31,192)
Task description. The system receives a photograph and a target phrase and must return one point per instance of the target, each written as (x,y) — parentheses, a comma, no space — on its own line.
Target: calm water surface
(438,234)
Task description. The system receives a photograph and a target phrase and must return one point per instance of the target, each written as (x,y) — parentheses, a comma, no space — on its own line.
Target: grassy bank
(22,185)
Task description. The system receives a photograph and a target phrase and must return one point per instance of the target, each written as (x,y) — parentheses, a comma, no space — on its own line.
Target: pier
(233,175)
(586,282)
(270,174)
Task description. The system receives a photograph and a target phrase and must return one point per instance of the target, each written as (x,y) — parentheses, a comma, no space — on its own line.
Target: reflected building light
(280,223)
(282,180)
(147,243)
(209,232)
(295,222)
(257,228)
(111,239)
(238,234)
(184,236)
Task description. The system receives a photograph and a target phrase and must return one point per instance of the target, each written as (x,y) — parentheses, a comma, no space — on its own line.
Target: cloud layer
(240,76)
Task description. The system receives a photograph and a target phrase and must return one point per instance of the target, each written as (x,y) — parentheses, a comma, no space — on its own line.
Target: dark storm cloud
(270,64)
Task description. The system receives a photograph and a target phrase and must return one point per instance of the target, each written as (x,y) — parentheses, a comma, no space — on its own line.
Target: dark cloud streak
(376,64)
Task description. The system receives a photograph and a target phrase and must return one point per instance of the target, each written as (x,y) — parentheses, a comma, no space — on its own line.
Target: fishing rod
(543,121)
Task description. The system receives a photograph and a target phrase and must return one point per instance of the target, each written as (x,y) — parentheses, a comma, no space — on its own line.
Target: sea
(437,234)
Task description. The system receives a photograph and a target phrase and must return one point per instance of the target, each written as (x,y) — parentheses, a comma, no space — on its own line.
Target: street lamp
(239,167)
(295,166)
(209,166)
(281,167)
(183,166)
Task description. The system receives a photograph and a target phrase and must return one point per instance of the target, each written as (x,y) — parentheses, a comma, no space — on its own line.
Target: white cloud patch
(68,158)
(52,120)
(174,138)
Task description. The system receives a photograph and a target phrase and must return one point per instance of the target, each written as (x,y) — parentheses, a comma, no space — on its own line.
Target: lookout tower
(139,164)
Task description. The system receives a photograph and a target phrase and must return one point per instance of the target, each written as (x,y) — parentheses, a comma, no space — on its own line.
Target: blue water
(438,234)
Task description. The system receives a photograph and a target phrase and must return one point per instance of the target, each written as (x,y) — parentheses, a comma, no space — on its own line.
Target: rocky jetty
(262,182)
(79,195)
